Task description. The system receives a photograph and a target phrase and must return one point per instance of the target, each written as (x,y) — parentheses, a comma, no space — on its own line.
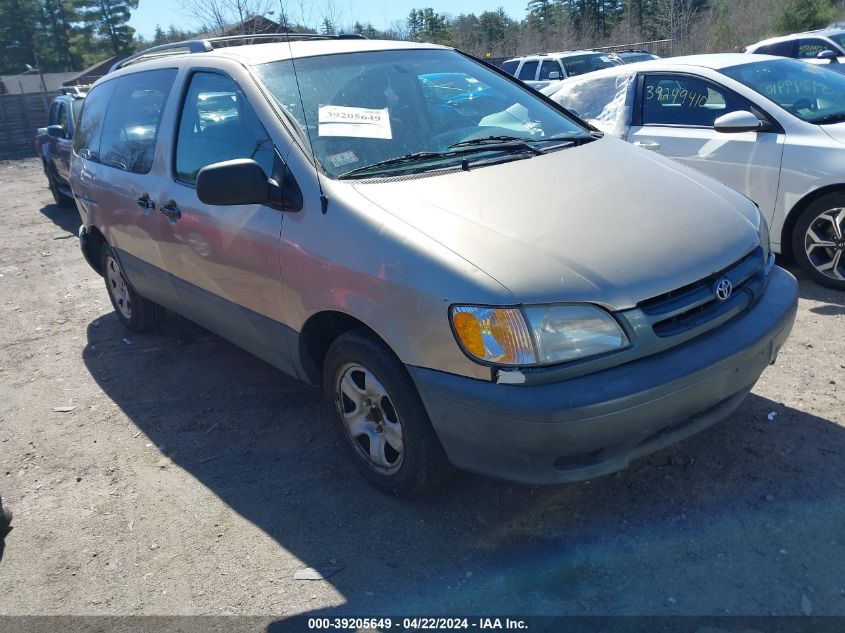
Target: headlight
(535,335)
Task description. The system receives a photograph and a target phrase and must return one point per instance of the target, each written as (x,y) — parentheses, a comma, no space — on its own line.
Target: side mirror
(239,181)
(55,131)
(554,75)
(739,121)
(829,55)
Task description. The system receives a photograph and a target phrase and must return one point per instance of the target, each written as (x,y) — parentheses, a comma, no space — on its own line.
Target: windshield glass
(810,92)
(839,38)
(580,64)
(365,108)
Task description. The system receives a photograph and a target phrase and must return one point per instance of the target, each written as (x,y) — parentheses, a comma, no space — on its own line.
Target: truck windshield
(371,107)
(812,93)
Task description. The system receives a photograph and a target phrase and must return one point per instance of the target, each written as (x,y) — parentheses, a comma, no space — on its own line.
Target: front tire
(133,310)
(381,416)
(818,241)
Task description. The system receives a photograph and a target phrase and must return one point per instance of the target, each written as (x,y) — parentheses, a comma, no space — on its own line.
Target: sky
(378,12)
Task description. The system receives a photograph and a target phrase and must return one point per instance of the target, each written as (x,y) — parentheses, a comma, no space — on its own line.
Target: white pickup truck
(538,71)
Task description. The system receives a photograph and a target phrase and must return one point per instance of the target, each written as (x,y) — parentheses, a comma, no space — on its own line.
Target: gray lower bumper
(596,424)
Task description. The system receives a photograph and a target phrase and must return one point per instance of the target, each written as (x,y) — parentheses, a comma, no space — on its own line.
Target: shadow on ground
(66,218)
(743,517)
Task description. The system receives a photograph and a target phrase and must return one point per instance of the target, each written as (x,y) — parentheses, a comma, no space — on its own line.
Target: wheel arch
(798,208)
(318,332)
(91,241)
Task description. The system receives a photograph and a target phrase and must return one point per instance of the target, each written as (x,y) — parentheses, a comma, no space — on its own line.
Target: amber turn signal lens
(468,330)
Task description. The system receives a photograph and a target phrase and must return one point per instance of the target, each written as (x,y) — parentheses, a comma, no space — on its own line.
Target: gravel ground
(188,477)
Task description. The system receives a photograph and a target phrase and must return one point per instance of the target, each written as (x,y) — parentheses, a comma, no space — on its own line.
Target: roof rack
(208,44)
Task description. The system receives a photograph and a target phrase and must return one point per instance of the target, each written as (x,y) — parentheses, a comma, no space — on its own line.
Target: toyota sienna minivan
(473,276)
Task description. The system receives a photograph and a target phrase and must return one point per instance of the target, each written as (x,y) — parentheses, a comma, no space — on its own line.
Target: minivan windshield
(810,92)
(427,108)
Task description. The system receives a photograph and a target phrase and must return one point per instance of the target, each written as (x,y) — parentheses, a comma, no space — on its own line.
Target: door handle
(171,211)
(654,147)
(145,203)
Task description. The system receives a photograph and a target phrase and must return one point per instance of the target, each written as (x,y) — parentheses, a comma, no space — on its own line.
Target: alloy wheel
(824,243)
(369,418)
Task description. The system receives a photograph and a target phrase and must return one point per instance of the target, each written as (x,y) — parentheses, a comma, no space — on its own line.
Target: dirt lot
(191,478)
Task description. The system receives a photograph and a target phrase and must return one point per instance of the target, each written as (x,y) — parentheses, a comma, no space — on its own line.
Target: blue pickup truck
(53,143)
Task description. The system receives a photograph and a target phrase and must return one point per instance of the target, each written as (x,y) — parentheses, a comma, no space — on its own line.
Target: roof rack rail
(208,44)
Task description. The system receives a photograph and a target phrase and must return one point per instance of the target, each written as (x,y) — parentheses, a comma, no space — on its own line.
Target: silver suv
(473,276)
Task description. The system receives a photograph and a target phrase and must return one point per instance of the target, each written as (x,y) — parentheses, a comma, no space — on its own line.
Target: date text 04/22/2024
(418,624)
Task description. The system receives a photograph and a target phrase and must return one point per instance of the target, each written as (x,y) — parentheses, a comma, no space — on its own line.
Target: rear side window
(88,136)
(510,67)
(528,71)
(780,49)
(218,124)
(132,121)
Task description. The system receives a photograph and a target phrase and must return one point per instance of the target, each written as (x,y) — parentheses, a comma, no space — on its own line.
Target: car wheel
(382,417)
(133,310)
(61,199)
(818,241)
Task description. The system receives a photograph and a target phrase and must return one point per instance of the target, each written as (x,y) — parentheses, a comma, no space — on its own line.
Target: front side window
(528,71)
(687,101)
(63,117)
(366,108)
(547,67)
(810,47)
(218,124)
(810,92)
(131,125)
(89,135)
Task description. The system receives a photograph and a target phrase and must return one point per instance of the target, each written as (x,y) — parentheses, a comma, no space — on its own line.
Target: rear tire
(61,199)
(818,241)
(381,417)
(133,310)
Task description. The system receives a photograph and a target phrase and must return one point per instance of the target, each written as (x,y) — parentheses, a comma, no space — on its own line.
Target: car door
(674,115)
(128,176)
(62,157)
(224,260)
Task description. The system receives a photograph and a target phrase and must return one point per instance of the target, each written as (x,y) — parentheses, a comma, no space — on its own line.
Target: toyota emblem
(724,288)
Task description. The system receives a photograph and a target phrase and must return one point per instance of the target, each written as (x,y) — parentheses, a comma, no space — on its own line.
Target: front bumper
(596,424)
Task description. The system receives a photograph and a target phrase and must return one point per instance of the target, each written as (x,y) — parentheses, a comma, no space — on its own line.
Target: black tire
(814,216)
(5,516)
(134,311)
(423,464)
(61,199)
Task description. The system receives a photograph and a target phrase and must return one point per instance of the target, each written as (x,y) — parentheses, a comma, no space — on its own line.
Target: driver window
(685,101)
(218,124)
(809,48)
(549,66)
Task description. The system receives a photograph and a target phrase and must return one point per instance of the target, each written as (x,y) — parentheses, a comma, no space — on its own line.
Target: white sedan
(770,127)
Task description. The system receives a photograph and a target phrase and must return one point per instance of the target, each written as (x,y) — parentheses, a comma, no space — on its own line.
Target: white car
(539,71)
(770,127)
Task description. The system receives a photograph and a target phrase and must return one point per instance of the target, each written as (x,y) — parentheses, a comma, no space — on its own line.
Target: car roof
(261,53)
(714,61)
(794,36)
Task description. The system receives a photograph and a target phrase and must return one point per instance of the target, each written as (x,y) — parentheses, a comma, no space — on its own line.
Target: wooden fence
(20,116)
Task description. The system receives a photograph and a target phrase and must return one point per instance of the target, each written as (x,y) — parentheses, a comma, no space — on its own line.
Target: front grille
(695,305)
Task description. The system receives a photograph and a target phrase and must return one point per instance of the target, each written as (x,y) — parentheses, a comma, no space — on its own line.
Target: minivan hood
(604,222)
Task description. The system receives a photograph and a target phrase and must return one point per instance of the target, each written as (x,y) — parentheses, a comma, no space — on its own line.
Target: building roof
(31,82)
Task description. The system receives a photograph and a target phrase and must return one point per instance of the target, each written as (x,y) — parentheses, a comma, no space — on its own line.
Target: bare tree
(673,18)
(222,15)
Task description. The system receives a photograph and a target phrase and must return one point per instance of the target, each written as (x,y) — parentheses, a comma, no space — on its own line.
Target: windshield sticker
(343,158)
(354,122)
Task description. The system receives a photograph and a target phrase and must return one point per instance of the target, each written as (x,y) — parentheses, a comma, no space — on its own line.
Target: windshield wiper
(829,118)
(517,140)
(399,160)
(417,157)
